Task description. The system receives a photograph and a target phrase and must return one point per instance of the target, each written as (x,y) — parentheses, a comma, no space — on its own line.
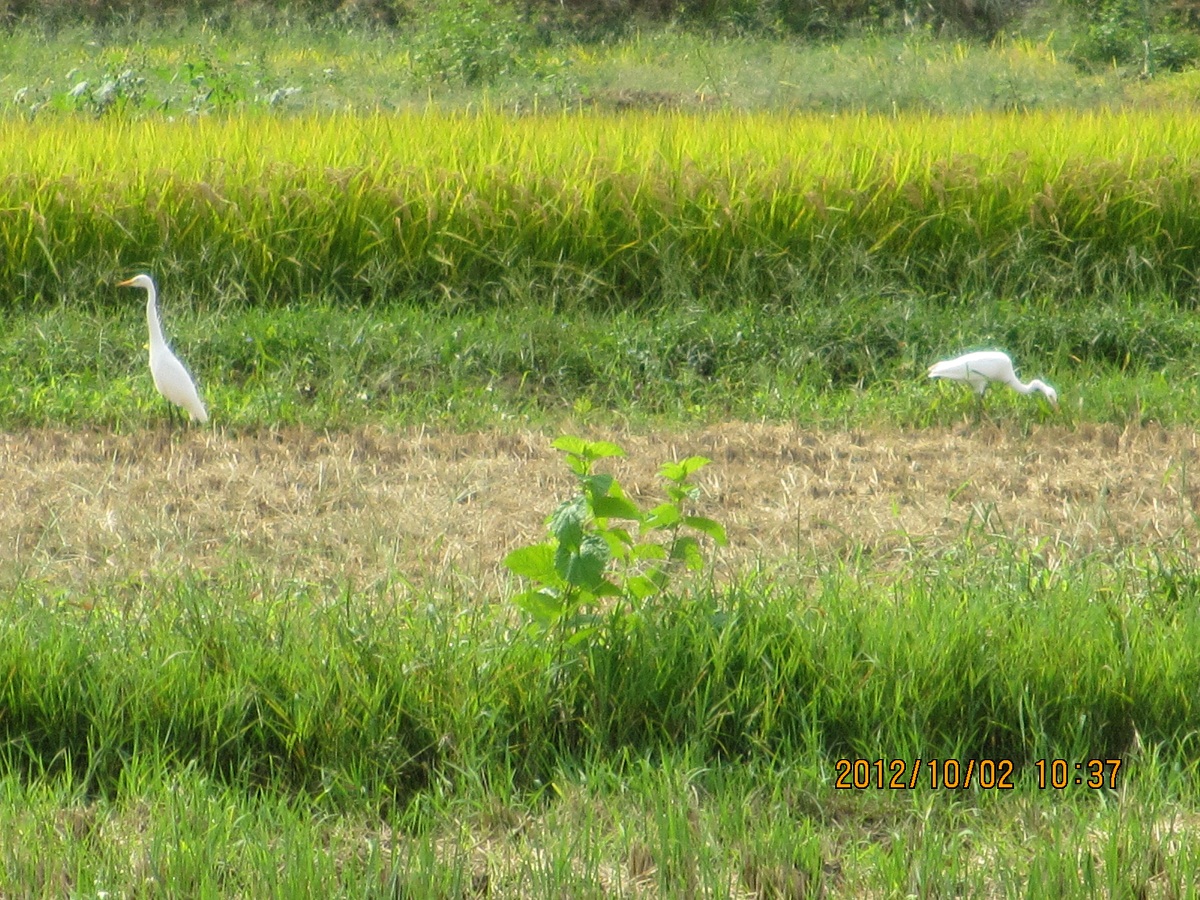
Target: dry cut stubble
(370,505)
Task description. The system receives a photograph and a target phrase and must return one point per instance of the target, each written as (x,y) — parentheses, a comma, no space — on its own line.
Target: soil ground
(80,508)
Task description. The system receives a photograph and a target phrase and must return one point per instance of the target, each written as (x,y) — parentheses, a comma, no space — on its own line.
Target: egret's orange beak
(126,283)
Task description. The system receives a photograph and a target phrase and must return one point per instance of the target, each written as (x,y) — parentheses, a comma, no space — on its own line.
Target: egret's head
(139,281)
(1051,393)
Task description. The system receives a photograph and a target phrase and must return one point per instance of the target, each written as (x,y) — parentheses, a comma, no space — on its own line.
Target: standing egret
(170,376)
(982,367)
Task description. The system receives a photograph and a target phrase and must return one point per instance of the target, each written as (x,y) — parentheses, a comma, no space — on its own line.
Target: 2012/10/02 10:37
(987,774)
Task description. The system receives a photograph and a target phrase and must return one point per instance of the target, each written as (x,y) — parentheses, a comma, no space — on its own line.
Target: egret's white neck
(1034,386)
(156,332)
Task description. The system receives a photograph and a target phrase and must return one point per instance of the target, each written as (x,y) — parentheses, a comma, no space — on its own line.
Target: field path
(92,506)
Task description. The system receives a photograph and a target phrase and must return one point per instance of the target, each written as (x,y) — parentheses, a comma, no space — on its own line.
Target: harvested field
(87,507)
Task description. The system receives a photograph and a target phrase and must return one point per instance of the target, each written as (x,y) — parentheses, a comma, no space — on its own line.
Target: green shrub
(471,42)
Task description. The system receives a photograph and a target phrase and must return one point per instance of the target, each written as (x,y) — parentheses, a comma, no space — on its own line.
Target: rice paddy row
(613,209)
(382,694)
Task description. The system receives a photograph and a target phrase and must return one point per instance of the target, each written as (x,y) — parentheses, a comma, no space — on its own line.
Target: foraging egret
(170,376)
(982,367)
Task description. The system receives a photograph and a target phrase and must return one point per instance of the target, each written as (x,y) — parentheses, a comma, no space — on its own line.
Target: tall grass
(289,688)
(617,208)
(231,729)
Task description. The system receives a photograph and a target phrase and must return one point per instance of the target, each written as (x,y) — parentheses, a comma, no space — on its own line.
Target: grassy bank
(349,696)
(151,731)
(845,360)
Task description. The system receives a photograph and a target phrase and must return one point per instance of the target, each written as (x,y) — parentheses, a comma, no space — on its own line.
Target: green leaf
(659,577)
(580,635)
(650,582)
(619,535)
(570,444)
(664,515)
(617,491)
(641,586)
(648,550)
(587,451)
(576,450)
(687,549)
(567,522)
(680,471)
(711,527)
(618,541)
(578,464)
(597,486)
(584,567)
(681,492)
(615,508)
(536,562)
(602,450)
(546,608)
(608,589)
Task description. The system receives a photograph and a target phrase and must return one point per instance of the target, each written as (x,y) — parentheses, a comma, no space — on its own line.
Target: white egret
(170,376)
(981,368)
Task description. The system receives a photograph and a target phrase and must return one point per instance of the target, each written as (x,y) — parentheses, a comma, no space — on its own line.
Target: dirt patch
(370,505)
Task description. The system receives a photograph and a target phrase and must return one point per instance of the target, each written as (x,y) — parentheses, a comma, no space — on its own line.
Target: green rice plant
(369,207)
(230,704)
(990,648)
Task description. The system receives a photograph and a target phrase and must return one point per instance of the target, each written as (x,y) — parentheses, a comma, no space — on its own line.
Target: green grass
(672,826)
(857,361)
(287,65)
(180,732)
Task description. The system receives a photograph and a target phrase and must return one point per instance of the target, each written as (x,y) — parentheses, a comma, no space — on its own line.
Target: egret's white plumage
(981,368)
(170,376)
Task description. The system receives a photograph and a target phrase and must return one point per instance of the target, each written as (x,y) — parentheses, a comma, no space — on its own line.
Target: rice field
(372,207)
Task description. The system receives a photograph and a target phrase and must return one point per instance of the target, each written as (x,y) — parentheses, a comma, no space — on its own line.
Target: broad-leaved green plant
(603,545)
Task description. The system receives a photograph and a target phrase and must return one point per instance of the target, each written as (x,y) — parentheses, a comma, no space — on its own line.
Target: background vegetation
(1155,33)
